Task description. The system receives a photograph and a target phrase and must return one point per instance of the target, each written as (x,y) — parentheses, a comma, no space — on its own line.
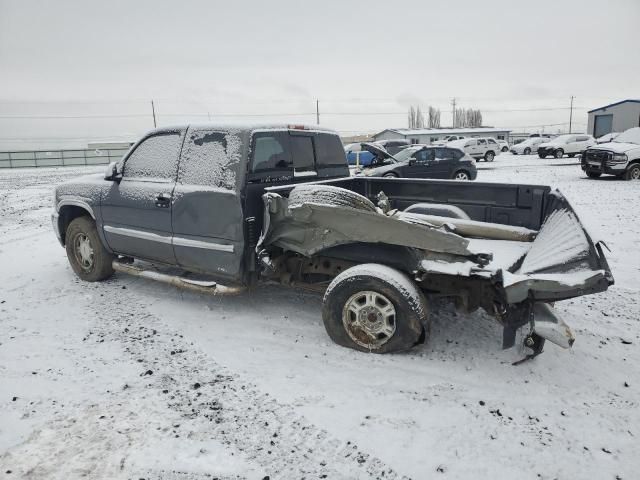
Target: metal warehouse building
(429,135)
(617,117)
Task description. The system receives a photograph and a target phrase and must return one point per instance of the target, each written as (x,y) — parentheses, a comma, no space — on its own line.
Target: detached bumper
(54,220)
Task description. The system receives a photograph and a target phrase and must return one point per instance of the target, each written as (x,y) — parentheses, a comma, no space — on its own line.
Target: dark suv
(420,161)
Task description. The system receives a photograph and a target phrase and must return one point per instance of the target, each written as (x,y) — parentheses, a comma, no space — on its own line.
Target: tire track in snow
(225,407)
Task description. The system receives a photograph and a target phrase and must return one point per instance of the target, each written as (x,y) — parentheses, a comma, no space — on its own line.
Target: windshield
(630,136)
(405,154)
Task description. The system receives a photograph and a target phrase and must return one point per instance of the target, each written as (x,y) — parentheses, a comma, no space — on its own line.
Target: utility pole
(153,111)
(317,112)
(570,114)
(453,109)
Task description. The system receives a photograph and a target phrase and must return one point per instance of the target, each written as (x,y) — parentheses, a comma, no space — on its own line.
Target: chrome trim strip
(177,241)
(128,232)
(187,242)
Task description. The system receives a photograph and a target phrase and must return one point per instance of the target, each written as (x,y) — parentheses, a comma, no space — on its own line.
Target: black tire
(329,195)
(461,175)
(542,155)
(571,155)
(594,174)
(527,151)
(410,317)
(390,175)
(489,156)
(90,267)
(633,172)
(559,153)
(505,149)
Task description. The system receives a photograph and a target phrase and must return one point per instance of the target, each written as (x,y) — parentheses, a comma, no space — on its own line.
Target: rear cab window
(282,154)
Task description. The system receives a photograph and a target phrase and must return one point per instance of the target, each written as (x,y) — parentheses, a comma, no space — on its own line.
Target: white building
(430,135)
(616,117)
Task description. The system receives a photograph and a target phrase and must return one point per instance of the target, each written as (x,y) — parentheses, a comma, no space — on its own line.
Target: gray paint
(626,115)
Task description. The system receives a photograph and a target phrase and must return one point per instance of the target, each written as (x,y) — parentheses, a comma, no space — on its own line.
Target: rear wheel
(527,151)
(633,173)
(542,155)
(489,156)
(559,153)
(461,175)
(375,308)
(505,149)
(571,155)
(390,175)
(87,256)
(594,174)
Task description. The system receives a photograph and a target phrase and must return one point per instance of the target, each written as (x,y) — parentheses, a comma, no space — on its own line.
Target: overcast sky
(197,58)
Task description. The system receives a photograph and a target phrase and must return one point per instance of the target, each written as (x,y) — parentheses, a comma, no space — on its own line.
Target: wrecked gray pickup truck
(242,206)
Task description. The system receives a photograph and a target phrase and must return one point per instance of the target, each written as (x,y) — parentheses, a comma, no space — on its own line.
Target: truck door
(207,217)
(136,212)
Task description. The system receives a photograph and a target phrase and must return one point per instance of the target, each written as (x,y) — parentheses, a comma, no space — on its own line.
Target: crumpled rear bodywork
(526,269)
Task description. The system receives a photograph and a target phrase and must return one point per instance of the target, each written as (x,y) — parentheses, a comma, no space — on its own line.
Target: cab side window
(155,159)
(482,141)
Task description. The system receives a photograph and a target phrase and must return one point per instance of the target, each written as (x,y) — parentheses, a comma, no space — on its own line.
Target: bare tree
(467,117)
(434,117)
(416,117)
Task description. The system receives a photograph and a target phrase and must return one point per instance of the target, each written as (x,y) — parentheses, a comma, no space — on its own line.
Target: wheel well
(67,214)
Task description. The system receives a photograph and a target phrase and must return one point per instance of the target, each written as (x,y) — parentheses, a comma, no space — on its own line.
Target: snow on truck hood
(627,140)
(615,147)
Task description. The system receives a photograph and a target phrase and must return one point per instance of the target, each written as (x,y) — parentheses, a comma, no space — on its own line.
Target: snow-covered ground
(133,379)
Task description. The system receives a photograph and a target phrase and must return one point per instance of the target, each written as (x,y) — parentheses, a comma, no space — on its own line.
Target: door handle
(163,200)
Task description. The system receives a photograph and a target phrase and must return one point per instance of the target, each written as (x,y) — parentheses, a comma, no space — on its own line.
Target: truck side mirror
(112,172)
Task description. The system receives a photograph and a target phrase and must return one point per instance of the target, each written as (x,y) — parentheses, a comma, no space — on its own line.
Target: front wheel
(375,308)
(571,155)
(390,175)
(489,156)
(505,149)
(87,256)
(527,151)
(594,174)
(461,175)
(559,153)
(633,173)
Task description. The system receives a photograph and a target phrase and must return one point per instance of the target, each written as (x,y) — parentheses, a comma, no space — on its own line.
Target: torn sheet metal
(309,228)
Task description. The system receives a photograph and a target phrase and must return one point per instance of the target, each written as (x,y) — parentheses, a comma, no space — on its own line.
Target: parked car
(393,146)
(234,204)
(607,138)
(620,157)
(356,156)
(484,148)
(569,144)
(446,139)
(420,161)
(504,145)
(529,145)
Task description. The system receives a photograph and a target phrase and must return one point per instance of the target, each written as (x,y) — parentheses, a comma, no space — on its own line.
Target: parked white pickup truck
(620,157)
(569,144)
(479,148)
